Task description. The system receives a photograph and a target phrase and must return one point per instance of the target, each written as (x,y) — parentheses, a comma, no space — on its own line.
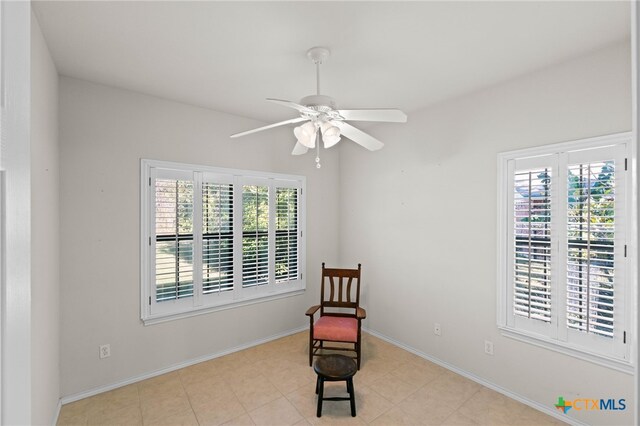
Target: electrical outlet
(488,347)
(105,351)
(436,329)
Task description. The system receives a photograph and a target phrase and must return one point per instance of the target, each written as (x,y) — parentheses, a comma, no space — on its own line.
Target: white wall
(16,227)
(103,134)
(421,217)
(45,231)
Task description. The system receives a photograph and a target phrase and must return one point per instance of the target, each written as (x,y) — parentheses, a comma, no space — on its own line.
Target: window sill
(613,363)
(150,320)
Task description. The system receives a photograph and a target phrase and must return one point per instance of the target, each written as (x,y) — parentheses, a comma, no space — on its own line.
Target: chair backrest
(338,291)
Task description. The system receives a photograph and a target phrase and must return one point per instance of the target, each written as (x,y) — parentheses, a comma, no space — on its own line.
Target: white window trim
(241,296)
(507,329)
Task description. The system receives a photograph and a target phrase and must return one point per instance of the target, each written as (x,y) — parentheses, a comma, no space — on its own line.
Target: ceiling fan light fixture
(330,141)
(330,134)
(306,134)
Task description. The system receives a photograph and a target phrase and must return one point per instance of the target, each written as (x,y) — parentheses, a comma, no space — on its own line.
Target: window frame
(151,312)
(556,335)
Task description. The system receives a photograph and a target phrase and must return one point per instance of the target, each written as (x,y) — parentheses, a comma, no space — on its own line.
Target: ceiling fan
(321,117)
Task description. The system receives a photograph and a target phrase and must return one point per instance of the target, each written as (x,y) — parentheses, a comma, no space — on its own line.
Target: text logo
(587,404)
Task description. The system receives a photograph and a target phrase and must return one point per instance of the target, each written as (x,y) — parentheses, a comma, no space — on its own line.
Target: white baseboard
(479,380)
(101,389)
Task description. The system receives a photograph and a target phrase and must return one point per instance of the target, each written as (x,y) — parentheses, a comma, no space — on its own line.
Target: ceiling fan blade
(358,136)
(299,149)
(293,105)
(270,126)
(389,115)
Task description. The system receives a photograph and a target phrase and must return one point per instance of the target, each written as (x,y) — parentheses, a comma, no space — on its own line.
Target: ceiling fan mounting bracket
(318,54)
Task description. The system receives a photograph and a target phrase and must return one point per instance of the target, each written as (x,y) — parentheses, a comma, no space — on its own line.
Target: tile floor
(272,384)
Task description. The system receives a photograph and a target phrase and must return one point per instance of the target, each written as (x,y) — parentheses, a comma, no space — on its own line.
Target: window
(562,257)
(214,238)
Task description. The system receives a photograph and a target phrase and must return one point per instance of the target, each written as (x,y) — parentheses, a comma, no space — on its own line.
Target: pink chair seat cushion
(337,329)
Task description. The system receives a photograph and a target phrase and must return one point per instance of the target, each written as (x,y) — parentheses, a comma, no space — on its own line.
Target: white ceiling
(230,56)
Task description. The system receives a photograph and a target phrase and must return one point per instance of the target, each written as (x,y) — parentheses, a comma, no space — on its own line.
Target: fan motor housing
(318,101)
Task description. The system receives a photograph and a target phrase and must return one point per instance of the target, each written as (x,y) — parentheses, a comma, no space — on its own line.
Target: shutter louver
(286,256)
(591,238)
(217,237)
(255,235)
(174,239)
(532,249)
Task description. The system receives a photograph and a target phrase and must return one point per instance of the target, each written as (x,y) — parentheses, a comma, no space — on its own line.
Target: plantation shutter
(591,238)
(217,237)
(532,243)
(173,238)
(255,235)
(286,244)
(563,247)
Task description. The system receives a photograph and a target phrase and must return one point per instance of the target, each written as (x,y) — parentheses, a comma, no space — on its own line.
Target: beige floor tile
(172,378)
(232,361)
(210,388)
(198,372)
(530,416)
(235,375)
(278,412)
(243,420)
(95,404)
(255,392)
(218,411)
(273,364)
(424,410)
(369,375)
(165,405)
(393,389)
(457,419)
(398,354)
(126,416)
(438,399)
(72,421)
(451,388)
(418,373)
(113,400)
(382,364)
(490,407)
(74,413)
(329,418)
(370,404)
(304,399)
(395,416)
(291,378)
(185,418)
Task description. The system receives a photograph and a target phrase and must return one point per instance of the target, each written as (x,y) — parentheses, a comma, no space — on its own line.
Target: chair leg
(352,396)
(320,395)
(317,384)
(310,341)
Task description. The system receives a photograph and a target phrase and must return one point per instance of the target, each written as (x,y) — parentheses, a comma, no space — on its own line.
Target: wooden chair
(340,313)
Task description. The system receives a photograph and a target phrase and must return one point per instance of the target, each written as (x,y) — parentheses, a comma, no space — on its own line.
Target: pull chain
(318,165)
